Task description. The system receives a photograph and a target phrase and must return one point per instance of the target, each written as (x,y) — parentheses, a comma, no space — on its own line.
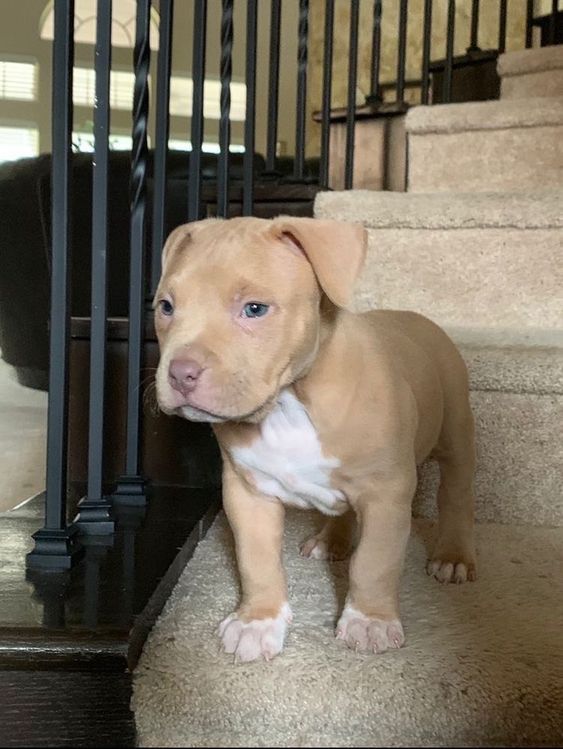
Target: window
(124,14)
(175,144)
(18,142)
(121,88)
(84,142)
(18,80)
(181,90)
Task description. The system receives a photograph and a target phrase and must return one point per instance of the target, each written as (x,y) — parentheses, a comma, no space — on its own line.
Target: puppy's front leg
(257,629)
(370,620)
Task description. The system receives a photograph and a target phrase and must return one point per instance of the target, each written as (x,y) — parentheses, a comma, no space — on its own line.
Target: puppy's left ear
(335,249)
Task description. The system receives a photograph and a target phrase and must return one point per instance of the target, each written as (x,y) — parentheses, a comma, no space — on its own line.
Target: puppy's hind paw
(452,570)
(317,547)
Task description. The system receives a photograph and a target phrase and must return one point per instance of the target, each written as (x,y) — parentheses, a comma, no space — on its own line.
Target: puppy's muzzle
(183,375)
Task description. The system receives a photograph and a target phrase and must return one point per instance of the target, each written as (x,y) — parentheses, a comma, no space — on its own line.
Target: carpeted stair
(512,144)
(485,260)
(482,664)
(531,73)
(476,245)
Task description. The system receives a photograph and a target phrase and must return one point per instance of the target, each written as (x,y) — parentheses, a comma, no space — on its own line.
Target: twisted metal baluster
(226,68)
(302,55)
(141,63)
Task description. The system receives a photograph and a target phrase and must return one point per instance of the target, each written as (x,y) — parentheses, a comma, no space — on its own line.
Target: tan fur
(384,391)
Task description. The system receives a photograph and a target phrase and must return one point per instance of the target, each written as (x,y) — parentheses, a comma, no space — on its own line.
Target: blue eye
(166,307)
(255,309)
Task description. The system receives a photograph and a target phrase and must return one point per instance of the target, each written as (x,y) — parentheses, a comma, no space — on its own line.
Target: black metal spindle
(327,93)
(502,26)
(402,50)
(301,114)
(474,34)
(198,78)
(250,115)
(375,96)
(351,104)
(54,543)
(131,486)
(450,34)
(529,21)
(273,86)
(226,69)
(94,510)
(162,132)
(552,20)
(426,48)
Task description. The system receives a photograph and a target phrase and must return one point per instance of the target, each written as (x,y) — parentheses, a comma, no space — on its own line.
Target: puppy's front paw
(361,632)
(258,638)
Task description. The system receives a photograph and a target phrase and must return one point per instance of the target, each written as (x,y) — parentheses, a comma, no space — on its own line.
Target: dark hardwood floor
(69,640)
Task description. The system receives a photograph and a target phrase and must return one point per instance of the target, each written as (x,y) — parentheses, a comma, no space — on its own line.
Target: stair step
(482,260)
(482,664)
(517,403)
(519,459)
(512,144)
(531,72)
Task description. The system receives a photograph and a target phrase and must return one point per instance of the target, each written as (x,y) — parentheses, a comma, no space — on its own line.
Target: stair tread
(525,61)
(478,662)
(507,367)
(457,210)
(485,115)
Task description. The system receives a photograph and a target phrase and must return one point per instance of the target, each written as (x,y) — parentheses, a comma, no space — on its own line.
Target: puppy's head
(237,310)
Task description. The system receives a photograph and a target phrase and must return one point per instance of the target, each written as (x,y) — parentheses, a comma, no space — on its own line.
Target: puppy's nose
(183,374)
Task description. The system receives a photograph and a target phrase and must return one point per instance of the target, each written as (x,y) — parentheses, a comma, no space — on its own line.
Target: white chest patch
(286,461)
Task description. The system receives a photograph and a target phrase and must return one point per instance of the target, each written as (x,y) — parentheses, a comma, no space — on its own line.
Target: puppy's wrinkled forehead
(287,250)
(242,250)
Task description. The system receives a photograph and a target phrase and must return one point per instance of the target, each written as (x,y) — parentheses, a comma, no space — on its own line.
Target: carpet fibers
(482,664)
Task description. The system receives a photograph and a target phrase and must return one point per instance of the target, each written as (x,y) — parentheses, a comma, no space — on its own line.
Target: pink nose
(183,374)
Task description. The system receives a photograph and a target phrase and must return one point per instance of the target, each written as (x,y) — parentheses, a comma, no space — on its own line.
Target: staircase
(477,245)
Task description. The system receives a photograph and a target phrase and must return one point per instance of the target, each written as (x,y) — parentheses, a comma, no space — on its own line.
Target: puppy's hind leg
(334,541)
(453,558)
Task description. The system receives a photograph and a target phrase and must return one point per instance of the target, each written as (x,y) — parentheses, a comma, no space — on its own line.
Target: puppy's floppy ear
(335,249)
(180,238)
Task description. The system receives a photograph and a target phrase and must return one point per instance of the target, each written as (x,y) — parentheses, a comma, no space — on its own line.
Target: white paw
(258,638)
(361,632)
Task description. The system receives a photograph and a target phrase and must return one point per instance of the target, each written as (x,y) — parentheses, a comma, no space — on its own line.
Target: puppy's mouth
(196,413)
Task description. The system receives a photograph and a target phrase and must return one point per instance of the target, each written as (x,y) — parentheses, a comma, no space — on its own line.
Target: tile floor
(23,427)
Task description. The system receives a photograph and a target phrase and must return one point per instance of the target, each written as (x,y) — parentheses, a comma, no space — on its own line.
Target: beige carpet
(482,665)
(23,428)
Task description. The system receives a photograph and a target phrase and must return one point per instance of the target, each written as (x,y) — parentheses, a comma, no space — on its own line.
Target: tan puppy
(313,407)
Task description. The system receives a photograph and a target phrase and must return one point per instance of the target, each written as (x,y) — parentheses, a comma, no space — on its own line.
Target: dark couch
(25,239)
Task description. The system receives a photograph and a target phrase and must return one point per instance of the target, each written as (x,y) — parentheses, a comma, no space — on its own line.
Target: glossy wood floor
(68,640)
